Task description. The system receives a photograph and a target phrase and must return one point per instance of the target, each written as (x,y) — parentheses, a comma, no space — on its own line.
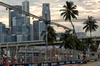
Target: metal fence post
(40,55)
(7,52)
(33,55)
(25,52)
(17,53)
(51,55)
(73,54)
(59,55)
(55,54)
(66,54)
(0,51)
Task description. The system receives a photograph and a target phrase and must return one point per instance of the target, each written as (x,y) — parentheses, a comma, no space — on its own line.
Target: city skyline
(55,6)
(19,25)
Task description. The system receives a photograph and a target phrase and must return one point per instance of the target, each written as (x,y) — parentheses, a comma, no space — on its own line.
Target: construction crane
(32,15)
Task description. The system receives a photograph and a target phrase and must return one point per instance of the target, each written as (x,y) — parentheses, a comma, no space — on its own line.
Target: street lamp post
(0,51)
(46,23)
(46,40)
(46,43)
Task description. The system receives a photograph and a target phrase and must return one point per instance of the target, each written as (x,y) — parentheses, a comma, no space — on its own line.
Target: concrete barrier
(54,63)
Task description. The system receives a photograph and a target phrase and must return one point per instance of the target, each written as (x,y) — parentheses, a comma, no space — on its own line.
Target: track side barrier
(52,63)
(46,64)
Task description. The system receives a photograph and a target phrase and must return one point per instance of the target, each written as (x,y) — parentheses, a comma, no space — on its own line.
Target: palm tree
(93,47)
(79,44)
(90,44)
(90,25)
(69,12)
(51,35)
(67,40)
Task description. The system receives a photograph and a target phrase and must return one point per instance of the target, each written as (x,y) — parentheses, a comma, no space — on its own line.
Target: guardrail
(54,63)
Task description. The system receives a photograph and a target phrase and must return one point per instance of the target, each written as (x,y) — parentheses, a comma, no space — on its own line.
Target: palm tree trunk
(73,27)
(90,34)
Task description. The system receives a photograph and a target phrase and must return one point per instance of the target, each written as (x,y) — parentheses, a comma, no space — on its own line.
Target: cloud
(36,10)
(85,8)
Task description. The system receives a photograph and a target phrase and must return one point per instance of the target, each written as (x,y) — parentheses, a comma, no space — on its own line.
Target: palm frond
(51,35)
(65,7)
(75,12)
(43,32)
(63,10)
(90,24)
(73,16)
(69,12)
(74,7)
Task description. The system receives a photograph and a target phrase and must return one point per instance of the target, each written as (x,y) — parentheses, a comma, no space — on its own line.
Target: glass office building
(13,13)
(17,25)
(2,28)
(2,32)
(19,38)
(25,7)
(8,38)
(26,32)
(38,27)
(36,30)
(46,11)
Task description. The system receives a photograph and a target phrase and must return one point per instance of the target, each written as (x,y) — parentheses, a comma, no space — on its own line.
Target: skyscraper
(13,13)
(38,27)
(26,25)
(46,11)
(2,28)
(31,32)
(2,32)
(19,38)
(26,32)
(36,30)
(25,7)
(17,25)
(8,38)
(41,28)
(11,38)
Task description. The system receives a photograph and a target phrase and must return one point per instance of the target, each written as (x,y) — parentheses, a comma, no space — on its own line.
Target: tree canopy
(69,11)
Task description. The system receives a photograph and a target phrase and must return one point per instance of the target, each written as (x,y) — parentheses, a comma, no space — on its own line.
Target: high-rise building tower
(17,25)
(38,27)
(46,11)
(36,30)
(26,25)
(2,28)
(2,32)
(25,7)
(13,13)
(26,32)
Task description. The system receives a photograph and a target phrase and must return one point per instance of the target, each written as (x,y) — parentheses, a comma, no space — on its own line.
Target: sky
(85,7)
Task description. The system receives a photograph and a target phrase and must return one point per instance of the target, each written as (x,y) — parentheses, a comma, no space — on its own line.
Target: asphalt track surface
(95,63)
